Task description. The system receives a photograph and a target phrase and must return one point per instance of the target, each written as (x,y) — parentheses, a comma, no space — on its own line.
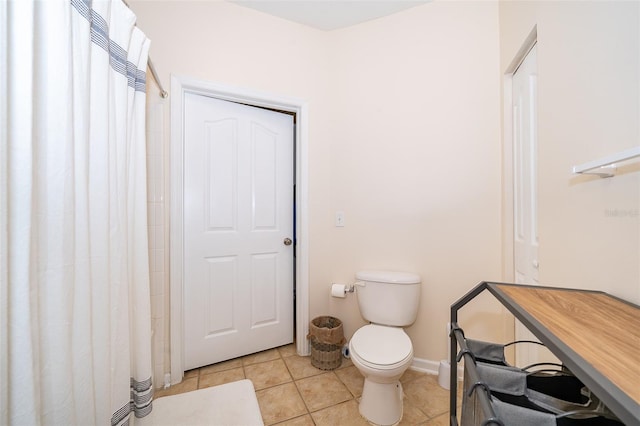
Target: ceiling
(329,15)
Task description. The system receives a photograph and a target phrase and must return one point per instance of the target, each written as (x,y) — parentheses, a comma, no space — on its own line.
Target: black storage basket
(521,398)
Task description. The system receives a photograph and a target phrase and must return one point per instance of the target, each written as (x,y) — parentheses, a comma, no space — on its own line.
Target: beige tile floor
(292,392)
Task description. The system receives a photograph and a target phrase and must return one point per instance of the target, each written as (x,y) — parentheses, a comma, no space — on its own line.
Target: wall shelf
(594,334)
(606,166)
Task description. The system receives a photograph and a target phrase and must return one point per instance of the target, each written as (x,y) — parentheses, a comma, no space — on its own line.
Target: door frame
(179,86)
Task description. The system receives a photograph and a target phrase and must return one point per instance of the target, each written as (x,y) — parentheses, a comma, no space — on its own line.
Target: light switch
(339,219)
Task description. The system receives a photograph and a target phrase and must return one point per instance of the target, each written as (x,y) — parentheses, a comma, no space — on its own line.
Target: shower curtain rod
(163,92)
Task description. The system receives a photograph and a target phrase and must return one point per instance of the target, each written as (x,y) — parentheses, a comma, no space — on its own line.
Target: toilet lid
(381,345)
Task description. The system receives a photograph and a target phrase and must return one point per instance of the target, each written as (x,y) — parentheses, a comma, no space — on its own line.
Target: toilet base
(381,403)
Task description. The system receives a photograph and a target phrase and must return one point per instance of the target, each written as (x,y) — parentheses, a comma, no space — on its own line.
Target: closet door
(525,173)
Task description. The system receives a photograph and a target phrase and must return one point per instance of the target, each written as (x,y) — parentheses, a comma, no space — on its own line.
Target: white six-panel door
(238,220)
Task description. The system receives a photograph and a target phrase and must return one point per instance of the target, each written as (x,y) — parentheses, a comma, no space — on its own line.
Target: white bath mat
(231,404)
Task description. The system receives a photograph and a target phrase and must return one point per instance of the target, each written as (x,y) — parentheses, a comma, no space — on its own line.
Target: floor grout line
(415,402)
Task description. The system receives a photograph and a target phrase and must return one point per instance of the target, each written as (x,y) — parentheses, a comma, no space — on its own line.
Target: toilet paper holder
(351,288)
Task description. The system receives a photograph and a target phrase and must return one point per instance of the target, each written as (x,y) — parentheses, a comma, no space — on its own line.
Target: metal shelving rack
(607,361)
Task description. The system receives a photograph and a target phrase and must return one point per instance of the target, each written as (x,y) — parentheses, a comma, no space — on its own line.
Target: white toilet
(382,351)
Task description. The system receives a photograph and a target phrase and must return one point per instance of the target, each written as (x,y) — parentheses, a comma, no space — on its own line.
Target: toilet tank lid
(388,277)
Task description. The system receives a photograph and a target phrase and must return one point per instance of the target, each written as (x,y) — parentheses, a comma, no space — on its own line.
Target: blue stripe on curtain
(117,55)
(140,403)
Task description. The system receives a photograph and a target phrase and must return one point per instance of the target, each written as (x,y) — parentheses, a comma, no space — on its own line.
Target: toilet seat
(381,347)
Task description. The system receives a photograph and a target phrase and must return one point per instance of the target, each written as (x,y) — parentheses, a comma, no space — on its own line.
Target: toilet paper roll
(339,290)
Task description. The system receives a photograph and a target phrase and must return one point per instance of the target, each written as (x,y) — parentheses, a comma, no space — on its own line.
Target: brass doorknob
(287,241)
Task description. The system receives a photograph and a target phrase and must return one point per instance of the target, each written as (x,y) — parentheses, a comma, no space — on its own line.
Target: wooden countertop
(603,331)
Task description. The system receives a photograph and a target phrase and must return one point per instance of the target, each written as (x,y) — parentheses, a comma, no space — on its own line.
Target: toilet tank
(387,297)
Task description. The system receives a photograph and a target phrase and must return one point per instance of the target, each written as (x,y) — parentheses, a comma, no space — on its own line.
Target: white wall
(404,137)
(415,158)
(226,43)
(589,107)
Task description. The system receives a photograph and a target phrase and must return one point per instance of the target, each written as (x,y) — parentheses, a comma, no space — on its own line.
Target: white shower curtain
(75,343)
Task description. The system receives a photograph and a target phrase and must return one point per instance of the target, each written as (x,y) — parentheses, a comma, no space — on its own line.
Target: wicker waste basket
(326,336)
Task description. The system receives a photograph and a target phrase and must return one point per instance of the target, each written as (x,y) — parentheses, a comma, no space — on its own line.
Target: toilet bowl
(381,350)
(382,354)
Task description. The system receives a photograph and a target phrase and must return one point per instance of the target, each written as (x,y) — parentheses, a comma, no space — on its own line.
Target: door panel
(264,177)
(220,183)
(220,297)
(264,306)
(525,161)
(238,195)
(525,170)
